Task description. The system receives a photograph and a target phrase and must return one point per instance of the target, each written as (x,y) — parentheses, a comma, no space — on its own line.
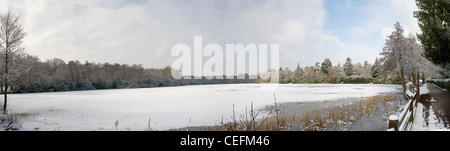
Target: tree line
(21,72)
(54,75)
(401,58)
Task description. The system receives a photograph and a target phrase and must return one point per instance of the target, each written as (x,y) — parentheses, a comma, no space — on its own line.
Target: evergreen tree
(326,64)
(348,67)
(375,68)
(297,74)
(433,17)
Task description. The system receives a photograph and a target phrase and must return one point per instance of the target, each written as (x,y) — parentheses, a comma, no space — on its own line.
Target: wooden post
(418,88)
(423,78)
(393,122)
(411,105)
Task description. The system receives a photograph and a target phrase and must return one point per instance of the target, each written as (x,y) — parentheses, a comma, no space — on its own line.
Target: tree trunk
(6,95)
(402,78)
(6,81)
(423,78)
(6,76)
(418,87)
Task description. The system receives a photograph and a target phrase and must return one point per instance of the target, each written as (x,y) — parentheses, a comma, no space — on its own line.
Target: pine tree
(348,67)
(397,55)
(326,64)
(374,71)
(434,19)
(297,74)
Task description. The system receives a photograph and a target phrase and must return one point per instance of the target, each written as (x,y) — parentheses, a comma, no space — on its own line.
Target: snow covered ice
(168,107)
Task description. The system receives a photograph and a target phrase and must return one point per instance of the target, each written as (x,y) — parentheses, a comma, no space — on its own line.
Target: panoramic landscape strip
(242,66)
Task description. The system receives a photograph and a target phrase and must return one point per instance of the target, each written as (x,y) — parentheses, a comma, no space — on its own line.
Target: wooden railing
(403,121)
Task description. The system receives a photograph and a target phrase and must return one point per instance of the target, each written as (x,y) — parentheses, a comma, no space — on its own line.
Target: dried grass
(334,118)
(342,117)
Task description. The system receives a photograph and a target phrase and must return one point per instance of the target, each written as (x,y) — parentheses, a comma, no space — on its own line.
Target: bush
(443,83)
(357,80)
(335,80)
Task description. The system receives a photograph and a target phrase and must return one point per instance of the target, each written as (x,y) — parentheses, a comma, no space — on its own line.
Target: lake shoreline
(297,110)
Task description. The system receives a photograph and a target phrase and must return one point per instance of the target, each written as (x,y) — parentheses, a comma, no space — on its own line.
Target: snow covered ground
(168,107)
(430,123)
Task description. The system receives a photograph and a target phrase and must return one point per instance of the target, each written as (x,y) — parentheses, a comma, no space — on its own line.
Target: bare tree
(53,65)
(13,56)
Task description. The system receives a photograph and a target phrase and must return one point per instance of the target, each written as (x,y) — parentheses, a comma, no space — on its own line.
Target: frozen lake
(168,107)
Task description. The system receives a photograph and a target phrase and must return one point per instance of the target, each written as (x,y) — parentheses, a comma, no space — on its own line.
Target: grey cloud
(143,32)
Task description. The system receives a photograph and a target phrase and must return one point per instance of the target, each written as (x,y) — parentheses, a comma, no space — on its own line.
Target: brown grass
(342,117)
(334,118)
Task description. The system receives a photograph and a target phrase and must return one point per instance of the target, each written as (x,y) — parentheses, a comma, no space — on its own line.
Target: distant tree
(358,69)
(367,67)
(53,65)
(434,19)
(316,68)
(74,71)
(297,74)
(326,64)
(282,75)
(287,75)
(13,56)
(375,69)
(366,64)
(339,70)
(348,67)
(308,74)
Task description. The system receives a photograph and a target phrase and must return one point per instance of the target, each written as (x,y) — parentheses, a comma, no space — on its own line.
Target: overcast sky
(143,32)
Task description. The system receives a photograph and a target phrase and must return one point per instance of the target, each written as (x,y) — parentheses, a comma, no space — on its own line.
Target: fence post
(393,122)
(411,108)
(418,89)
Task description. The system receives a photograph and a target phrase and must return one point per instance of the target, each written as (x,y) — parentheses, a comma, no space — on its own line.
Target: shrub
(335,80)
(443,83)
(357,80)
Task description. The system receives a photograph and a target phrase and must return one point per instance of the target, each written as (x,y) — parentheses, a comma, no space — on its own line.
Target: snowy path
(441,102)
(425,118)
(426,123)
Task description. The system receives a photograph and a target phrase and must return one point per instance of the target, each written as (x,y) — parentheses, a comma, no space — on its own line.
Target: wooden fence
(404,120)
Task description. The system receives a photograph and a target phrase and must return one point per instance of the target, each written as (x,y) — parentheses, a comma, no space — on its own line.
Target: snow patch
(13,126)
(393,118)
(424,89)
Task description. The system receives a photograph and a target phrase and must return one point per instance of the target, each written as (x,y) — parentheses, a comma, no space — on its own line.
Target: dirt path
(441,105)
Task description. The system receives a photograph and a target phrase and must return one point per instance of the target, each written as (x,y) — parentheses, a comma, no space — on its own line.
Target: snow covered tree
(54,65)
(308,74)
(375,69)
(393,51)
(348,67)
(326,64)
(288,75)
(297,74)
(400,54)
(13,57)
